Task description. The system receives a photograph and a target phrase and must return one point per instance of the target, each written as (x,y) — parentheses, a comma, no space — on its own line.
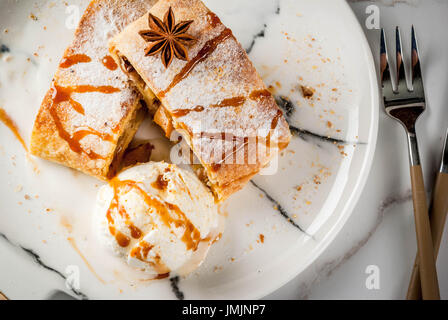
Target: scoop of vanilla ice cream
(161,219)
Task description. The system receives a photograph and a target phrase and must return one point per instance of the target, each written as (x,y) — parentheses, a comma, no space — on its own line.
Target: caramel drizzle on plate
(7,121)
(209,47)
(89,266)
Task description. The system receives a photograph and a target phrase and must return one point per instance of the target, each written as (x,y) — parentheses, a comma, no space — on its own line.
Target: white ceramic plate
(45,216)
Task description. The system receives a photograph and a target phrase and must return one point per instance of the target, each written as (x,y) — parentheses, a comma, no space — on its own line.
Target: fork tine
(384,64)
(417,81)
(401,72)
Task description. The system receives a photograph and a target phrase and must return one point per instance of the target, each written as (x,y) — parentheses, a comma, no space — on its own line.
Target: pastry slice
(208,88)
(91,112)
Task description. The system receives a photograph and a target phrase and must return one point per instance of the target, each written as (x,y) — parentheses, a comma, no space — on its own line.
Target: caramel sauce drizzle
(213,19)
(141,253)
(162,276)
(191,236)
(109,63)
(69,61)
(185,187)
(63,94)
(274,124)
(80,134)
(209,47)
(122,239)
(277,117)
(7,121)
(230,137)
(74,144)
(160,183)
(183,112)
(217,238)
(259,94)
(219,136)
(213,240)
(229,102)
(146,247)
(136,233)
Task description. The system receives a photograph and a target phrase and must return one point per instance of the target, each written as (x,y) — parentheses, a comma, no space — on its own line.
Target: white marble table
(387,238)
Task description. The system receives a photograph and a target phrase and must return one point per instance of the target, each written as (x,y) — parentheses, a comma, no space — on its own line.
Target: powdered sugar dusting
(103,112)
(132,44)
(225,72)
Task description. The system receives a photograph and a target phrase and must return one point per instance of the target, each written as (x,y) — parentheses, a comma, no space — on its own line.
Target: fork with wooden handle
(405,105)
(438,213)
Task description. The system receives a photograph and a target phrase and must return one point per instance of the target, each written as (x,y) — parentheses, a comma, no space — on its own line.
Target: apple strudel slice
(208,88)
(91,112)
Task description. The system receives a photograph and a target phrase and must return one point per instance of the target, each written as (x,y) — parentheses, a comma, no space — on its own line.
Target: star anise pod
(167,37)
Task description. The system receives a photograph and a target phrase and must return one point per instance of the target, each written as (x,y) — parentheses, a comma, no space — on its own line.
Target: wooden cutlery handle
(2,296)
(438,213)
(428,273)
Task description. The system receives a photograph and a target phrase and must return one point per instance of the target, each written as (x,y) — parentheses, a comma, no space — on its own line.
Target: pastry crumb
(307,92)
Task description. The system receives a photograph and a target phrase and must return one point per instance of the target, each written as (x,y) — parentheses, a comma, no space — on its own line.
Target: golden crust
(89,128)
(218,88)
